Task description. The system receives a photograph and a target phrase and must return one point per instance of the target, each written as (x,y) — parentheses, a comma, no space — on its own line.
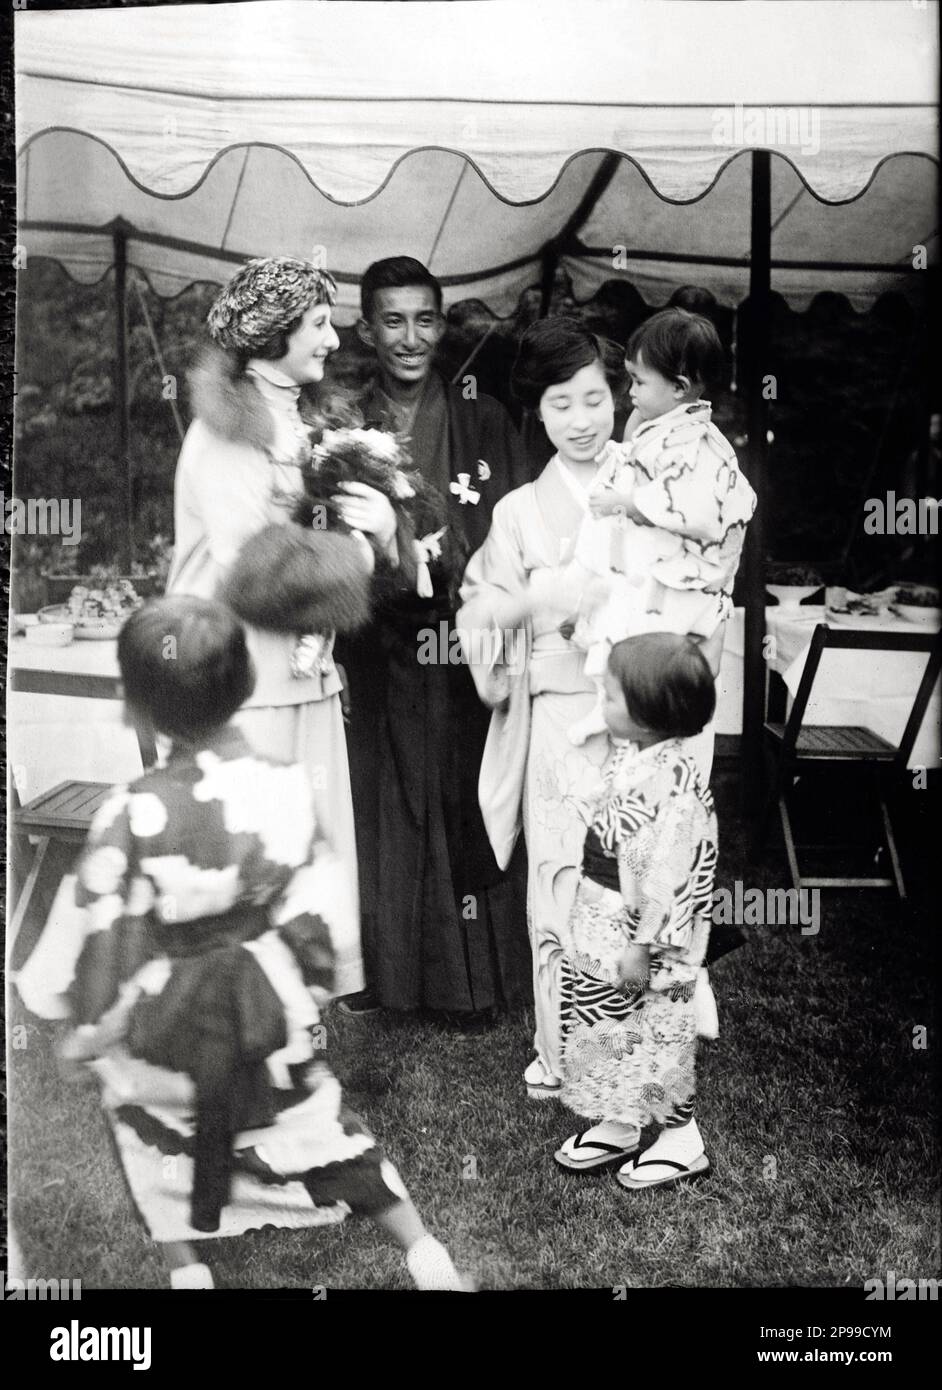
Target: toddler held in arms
(668,511)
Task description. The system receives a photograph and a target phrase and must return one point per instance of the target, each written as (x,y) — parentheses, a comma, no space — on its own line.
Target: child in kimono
(214,922)
(640,923)
(669,508)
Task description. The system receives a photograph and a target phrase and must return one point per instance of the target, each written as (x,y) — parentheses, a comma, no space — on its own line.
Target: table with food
(55,737)
(870,688)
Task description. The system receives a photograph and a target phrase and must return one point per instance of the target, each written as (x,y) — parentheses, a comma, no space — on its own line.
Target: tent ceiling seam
(235,196)
(445,215)
(364,98)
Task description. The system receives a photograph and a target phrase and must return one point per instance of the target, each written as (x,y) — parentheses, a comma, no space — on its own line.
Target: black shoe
(359,1005)
(472,1024)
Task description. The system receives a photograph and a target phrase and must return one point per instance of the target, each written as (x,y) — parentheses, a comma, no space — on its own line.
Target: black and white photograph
(470,510)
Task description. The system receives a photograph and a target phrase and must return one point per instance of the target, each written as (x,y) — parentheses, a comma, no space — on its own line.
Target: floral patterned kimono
(535,683)
(206,939)
(647,878)
(676,573)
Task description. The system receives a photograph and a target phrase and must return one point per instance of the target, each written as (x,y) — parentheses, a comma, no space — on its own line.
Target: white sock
(430,1265)
(612,1132)
(682,1144)
(706,1020)
(196,1276)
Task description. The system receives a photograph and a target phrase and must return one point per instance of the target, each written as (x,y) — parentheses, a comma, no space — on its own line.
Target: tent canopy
(220,132)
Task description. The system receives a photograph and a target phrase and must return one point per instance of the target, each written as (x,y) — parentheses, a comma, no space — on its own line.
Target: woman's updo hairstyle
(666,681)
(185,664)
(553,350)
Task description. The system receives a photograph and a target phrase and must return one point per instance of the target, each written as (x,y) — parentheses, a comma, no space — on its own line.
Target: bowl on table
(50,634)
(97,630)
(918,603)
(925,617)
(791,595)
(88,626)
(55,613)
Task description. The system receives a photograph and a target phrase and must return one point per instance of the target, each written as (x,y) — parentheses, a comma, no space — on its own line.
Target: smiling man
(443,929)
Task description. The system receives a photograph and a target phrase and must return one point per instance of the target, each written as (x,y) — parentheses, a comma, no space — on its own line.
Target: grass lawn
(815,1106)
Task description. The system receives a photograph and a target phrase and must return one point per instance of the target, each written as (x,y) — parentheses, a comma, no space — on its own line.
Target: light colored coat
(238,471)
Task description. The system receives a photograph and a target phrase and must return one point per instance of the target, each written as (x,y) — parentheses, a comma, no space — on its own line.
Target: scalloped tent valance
(220,132)
(436,206)
(518,86)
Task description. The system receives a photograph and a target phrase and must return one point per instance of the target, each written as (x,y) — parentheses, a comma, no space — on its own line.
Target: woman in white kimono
(514,602)
(254,407)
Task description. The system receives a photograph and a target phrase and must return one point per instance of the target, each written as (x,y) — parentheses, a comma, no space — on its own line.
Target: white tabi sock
(430,1265)
(682,1144)
(197,1276)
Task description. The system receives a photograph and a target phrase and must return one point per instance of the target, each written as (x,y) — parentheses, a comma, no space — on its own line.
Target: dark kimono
(442,926)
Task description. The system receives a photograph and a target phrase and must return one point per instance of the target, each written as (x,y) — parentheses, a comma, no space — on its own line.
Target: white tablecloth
(54,738)
(868,688)
(51,738)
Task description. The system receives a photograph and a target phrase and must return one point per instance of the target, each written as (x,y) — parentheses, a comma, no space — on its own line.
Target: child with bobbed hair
(639,928)
(211,937)
(668,511)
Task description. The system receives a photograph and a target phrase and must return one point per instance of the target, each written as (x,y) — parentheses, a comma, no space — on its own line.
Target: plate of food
(918,603)
(97,615)
(847,609)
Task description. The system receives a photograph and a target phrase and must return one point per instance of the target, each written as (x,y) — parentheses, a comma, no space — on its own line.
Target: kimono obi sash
(557,667)
(241,923)
(601,867)
(556,664)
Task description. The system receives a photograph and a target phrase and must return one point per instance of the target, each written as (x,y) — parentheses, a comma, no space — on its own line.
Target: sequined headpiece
(264,298)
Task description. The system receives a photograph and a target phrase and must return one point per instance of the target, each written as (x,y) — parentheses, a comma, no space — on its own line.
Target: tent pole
(121,388)
(754,341)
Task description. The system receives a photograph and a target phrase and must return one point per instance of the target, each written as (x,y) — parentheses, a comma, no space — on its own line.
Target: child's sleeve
(494,574)
(116,902)
(700,494)
(314,913)
(663,884)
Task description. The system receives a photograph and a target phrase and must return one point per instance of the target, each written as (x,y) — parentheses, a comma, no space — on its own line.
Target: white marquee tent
(474,132)
(737,144)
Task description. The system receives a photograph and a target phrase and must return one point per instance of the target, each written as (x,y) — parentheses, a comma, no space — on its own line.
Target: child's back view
(214,924)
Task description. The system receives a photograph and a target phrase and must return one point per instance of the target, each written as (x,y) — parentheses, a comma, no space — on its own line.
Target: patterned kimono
(675,574)
(209,936)
(647,878)
(535,684)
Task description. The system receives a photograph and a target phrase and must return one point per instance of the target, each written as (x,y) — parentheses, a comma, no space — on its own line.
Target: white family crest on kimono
(463,491)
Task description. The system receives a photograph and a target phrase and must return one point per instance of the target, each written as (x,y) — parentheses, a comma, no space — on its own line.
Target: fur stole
(229,403)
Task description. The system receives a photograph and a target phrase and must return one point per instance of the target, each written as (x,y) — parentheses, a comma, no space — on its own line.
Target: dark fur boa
(225,399)
(288,579)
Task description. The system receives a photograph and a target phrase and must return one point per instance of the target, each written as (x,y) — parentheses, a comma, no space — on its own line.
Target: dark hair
(666,681)
(552,350)
(184,663)
(677,343)
(695,299)
(395,273)
(276,346)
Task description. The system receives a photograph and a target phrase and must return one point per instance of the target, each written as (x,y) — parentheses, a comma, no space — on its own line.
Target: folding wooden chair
(796,745)
(58,819)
